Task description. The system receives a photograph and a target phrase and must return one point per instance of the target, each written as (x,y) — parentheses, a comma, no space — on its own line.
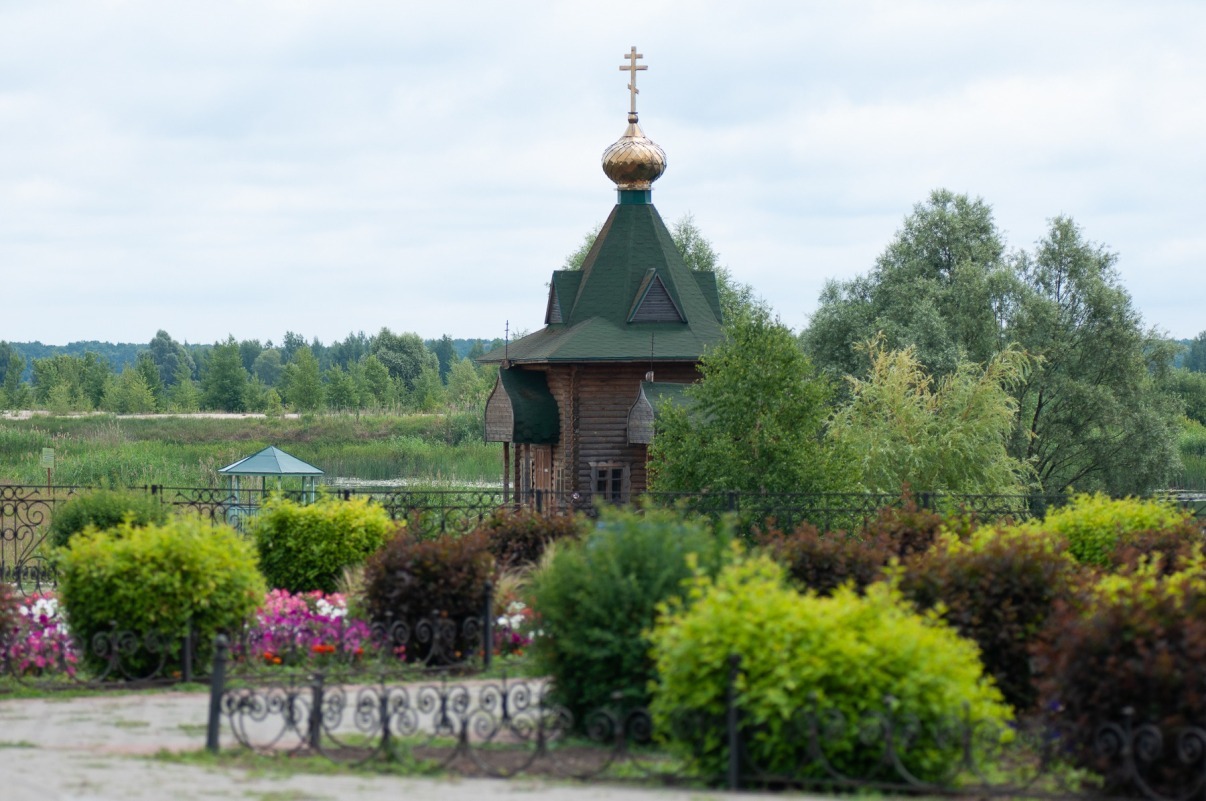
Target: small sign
(48,458)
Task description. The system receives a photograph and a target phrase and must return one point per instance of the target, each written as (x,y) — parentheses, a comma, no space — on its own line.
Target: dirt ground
(100,749)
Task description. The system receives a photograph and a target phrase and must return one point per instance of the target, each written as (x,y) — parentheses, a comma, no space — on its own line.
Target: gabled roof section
(270,462)
(600,318)
(563,285)
(653,303)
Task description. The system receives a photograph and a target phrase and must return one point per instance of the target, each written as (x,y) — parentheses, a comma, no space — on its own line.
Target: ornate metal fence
(504,728)
(25,515)
(26,511)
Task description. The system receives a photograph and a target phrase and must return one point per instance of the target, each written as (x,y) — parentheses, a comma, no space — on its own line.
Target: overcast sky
(249,168)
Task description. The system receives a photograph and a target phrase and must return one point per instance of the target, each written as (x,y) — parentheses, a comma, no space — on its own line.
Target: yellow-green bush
(1094,524)
(158,579)
(306,547)
(841,654)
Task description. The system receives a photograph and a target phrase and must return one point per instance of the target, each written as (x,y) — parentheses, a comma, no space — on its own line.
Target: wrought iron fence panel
(46,656)
(25,516)
(497,728)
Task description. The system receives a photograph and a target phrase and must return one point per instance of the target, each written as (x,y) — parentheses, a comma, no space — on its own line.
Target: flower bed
(41,642)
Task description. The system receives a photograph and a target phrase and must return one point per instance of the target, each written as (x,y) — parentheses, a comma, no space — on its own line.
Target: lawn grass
(107,450)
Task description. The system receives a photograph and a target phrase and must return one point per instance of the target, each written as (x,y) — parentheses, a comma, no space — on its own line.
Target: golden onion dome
(635,161)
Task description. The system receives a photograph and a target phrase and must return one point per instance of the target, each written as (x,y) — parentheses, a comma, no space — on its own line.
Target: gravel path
(97,749)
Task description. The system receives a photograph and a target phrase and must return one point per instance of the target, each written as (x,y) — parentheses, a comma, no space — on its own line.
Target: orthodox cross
(631,67)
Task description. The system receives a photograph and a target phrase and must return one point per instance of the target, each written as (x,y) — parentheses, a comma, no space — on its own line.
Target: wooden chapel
(575,401)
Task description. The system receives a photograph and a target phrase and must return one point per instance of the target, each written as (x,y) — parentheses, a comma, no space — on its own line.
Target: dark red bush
(1139,647)
(823,562)
(998,590)
(1173,546)
(908,529)
(412,581)
(519,538)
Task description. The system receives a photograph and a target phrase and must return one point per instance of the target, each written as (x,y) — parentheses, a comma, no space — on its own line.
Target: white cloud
(256,167)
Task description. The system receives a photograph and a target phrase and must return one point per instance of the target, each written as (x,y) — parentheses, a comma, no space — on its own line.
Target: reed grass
(188,451)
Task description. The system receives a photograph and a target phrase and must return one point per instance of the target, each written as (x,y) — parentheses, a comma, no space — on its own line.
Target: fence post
(316,693)
(217,682)
(734,777)
(732,502)
(488,627)
(539,501)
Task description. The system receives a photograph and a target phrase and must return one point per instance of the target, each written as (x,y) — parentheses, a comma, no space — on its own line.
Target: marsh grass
(188,451)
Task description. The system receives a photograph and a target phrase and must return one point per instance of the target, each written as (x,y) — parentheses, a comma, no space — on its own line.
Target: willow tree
(948,434)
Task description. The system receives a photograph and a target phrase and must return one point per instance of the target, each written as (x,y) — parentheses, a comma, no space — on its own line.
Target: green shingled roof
(596,303)
(270,462)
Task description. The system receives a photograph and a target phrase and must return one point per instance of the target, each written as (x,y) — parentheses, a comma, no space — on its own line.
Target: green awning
(521,409)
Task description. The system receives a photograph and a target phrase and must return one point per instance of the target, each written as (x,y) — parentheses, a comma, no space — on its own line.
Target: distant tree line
(386,371)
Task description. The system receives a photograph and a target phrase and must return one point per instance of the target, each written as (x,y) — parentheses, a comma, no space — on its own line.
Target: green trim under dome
(634,197)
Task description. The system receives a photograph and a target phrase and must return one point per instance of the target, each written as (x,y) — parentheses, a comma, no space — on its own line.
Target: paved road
(97,749)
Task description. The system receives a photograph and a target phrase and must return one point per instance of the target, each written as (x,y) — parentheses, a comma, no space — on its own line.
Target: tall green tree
(942,287)
(223,379)
(340,389)
(146,366)
(129,393)
(754,423)
(468,385)
(445,353)
(404,356)
(1195,359)
(376,382)
(268,367)
(950,435)
(1092,413)
(14,394)
(183,395)
(168,354)
(302,382)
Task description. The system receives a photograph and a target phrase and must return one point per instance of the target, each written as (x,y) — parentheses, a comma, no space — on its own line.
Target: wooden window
(610,482)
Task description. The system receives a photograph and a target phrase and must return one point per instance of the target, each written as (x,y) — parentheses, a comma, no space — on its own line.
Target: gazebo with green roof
(634,311)
(271,462)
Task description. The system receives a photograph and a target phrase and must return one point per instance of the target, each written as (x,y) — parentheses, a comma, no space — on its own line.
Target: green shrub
(596,601)
(1094,524)
(103,509)
(518,538)
(824,562)
(801,654)
(1136,639)
(412,581)
(997,589)
(307,547)
(158,579)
